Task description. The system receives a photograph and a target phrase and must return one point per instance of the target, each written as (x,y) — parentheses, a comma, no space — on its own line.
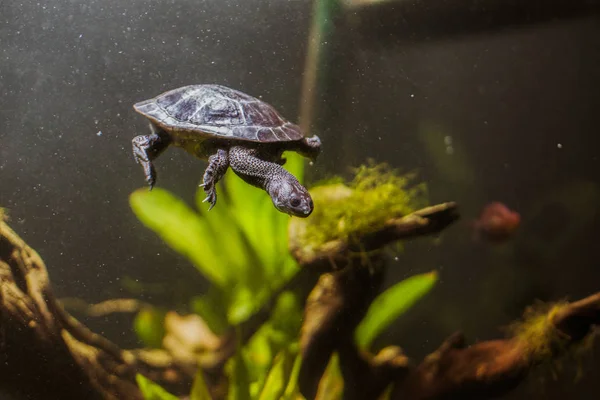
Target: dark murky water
(507,113)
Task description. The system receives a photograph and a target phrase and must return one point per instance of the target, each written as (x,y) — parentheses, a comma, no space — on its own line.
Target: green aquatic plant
(240,246)
(391,304)
(149,326)
(267,367)
(376,194)
(153,391)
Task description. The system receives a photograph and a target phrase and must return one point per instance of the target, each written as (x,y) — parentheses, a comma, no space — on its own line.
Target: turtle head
(290,197)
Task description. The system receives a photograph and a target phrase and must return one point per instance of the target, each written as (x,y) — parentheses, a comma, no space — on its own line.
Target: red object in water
(497,223)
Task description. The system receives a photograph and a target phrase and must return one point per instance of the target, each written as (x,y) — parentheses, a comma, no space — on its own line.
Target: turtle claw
(211,198)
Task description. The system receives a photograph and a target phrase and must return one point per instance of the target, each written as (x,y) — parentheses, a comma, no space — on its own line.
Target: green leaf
(292,385)
(331,386)
(238,255)
(149,326)
(277,378)
(259,354)
(212,307)
(199,388)
(243,303)
(286,316)
(295,165)
(151,390)
(239,382)
(183,230)
(392,303)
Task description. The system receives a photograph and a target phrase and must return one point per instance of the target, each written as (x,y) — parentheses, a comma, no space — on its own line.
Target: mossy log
(336,253)
(47,354)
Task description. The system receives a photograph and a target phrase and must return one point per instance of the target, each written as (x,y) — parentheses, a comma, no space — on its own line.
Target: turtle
(227,128)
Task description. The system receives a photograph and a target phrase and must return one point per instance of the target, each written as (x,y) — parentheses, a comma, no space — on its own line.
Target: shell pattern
(215,110)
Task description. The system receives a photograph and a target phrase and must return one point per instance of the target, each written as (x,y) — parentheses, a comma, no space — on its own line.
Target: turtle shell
(218,111)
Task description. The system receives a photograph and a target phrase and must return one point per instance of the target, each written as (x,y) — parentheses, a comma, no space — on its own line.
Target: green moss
(376,194)
(537,331)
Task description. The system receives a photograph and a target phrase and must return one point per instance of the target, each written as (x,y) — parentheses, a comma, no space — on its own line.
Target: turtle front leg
(217,166)
(145,149)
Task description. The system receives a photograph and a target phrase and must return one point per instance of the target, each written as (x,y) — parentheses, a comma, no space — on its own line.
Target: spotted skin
(287,194)
(146,148)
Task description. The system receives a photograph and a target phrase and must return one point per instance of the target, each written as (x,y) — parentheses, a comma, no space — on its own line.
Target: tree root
(481,371)
(46,353)
(492,368)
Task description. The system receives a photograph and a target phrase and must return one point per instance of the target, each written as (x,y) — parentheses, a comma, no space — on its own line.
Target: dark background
(508,97)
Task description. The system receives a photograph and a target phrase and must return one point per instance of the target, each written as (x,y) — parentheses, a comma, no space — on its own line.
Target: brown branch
(104,308)
(427,221)
(489,369)
(46,353)
(481,371)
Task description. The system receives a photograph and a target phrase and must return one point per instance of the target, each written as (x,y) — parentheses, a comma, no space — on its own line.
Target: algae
(537,332)
(376,194)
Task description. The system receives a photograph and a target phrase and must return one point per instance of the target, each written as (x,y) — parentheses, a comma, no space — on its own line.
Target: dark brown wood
(335,254)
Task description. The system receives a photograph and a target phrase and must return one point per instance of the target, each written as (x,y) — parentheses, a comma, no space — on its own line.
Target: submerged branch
(484,370)
(330,255)
(489,369)
(103,308)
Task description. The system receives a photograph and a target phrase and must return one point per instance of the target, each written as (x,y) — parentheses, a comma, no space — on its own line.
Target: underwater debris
(376,194)
(496,223)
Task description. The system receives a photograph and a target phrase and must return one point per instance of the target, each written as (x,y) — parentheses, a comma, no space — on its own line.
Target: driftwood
(480,371)
(335,254)
(47,354)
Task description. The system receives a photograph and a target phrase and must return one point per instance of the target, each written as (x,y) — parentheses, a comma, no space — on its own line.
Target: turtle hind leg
(146,148)
(309,147)
(217,166)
